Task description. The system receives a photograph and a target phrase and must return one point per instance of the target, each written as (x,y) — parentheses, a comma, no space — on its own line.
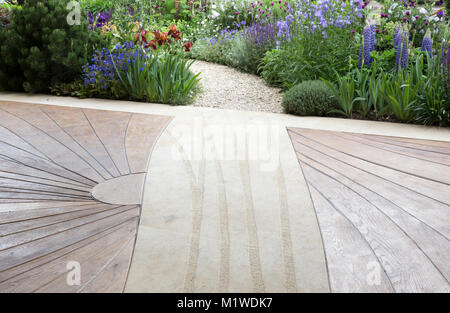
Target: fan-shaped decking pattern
(383,207)
(51,158)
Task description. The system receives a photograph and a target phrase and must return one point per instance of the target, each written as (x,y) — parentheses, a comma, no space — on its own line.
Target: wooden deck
(51,159)
(382,204)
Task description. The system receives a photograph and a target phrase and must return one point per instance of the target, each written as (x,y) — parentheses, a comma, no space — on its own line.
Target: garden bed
(385,60)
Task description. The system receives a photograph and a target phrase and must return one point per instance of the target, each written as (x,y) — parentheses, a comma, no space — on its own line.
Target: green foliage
(42,48)
(345,94)
(376,97)
(433,101)
(310,56)
(400,93)
(161,77)
(362,82)
(273,68)
(245,55)
(311,97)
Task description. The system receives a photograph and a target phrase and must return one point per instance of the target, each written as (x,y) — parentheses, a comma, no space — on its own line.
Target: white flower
(423,11)
(214,14)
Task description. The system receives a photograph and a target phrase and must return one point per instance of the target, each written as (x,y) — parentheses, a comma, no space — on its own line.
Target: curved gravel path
(227,88)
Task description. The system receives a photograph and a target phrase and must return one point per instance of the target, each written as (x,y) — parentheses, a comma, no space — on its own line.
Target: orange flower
(160,37)
(174,32)
(141,36)
(173,28)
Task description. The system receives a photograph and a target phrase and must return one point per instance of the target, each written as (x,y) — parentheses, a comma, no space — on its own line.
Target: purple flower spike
(397,45)
(404,57)
(426,43)
(367,46)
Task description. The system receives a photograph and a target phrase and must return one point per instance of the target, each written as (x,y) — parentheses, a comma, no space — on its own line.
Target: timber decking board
(51,158)
(383,207)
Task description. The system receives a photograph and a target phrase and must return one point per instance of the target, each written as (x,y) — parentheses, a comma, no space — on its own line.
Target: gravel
(227,88)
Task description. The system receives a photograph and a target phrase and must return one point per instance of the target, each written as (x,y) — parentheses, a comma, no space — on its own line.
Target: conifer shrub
(39,47)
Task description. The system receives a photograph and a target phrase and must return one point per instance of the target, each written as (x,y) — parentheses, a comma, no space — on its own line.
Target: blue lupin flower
(360,54)
(404,57)
(397,46)
(367,45)
(426,42)
(396,37)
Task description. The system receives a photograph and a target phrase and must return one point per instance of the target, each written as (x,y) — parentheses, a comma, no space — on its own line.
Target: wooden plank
(428,188)
(401,163)
(51,275)
(68,215)
(74,122)
(350,258)
(424,155)
(51,158)
(48,146)
(40,263)
(141,136)
(25,252)
(113,277)
(80,219)
(408,269)
(432,213)
(103,122)
(432,243)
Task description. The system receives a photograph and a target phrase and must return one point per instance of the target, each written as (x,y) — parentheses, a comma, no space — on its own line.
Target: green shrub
(308,57)
(312,97)
(42,48)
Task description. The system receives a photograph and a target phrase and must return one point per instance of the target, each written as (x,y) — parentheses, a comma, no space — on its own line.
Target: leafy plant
(433,102)
(311,97)
(376,97)
(345,94)
(400,92)
(362,83)
(158,77)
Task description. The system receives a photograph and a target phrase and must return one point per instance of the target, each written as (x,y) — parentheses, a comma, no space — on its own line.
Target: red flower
(187,46)
(151,44)
(160,37)
(141,36)
(174,32)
